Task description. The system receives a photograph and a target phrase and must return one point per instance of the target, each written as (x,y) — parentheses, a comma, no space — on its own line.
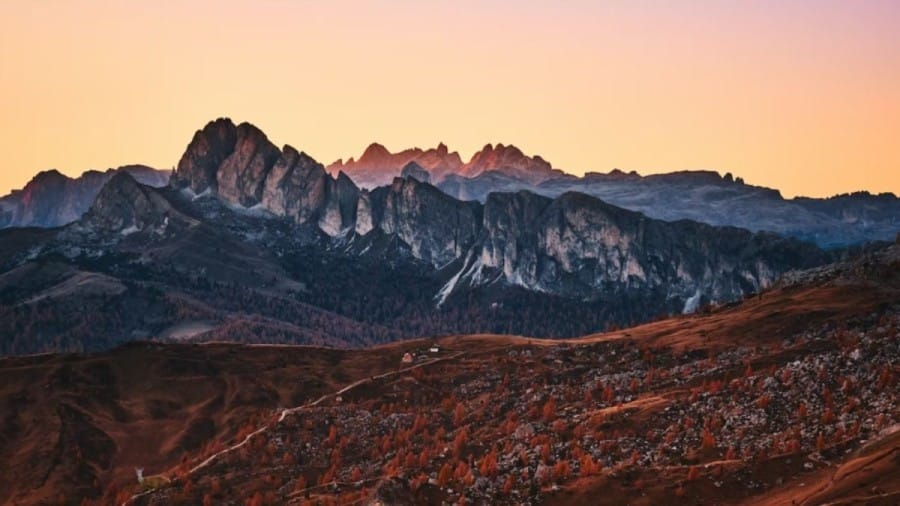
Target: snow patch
(448,288)
(190,194)
(130,230)
(692,303)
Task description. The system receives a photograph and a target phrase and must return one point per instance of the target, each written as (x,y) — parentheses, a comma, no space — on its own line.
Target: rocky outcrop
(437,228)
(296,186)
(339,213)
(709,197)
(241,177)
(201,160)
(578,245)
(240,166)
(52,199)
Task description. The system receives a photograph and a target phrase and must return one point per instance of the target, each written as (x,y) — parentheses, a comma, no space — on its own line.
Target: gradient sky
(803,96)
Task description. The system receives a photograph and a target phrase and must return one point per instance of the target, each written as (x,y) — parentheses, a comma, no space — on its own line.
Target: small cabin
(407,358)
(434,349)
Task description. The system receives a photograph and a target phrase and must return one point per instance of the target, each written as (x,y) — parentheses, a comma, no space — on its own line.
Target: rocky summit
(708,197)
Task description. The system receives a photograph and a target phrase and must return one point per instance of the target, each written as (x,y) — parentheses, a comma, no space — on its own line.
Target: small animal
(151,482)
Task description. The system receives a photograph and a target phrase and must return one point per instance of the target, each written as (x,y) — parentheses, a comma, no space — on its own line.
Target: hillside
(790,396)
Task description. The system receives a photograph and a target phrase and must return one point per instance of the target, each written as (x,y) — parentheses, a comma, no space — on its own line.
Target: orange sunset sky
(803,96)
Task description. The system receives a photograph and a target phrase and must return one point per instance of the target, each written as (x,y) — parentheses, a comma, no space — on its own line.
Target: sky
(803,96)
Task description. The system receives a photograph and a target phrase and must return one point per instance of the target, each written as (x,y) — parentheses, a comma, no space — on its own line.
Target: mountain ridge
(706,196)
(52,199)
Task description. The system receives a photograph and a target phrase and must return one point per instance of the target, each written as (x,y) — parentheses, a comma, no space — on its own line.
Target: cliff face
(578,246)
(708,197)
(437,228)
(240,166)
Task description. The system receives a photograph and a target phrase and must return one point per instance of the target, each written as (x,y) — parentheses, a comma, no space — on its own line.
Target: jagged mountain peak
(48,175)
(378,166)
(374,153)
(511,161)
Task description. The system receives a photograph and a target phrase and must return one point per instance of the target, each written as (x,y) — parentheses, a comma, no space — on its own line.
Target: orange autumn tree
(488,465)
(548,412)
(707,440)
(445,474)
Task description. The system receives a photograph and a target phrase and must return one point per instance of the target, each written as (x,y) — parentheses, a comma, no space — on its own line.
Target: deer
(151,482)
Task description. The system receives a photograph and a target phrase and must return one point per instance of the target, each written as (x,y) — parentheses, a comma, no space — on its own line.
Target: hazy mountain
(52,199)
(703,196)
(377,166)
(511,162)
(707,197)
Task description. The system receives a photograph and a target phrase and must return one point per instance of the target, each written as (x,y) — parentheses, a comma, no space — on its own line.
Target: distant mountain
(703,196)
(250,240)
(377,166)
(51,199)
(511,162)
(708,197)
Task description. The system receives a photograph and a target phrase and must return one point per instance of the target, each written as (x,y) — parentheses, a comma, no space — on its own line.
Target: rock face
(52,199)
(240,166)
(578,245)
(437,228)
(242,176)
(296,186)
(206,152)
(708,197)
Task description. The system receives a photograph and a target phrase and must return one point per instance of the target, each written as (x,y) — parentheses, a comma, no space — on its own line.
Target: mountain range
(704,196)
(698,361)
(255,242)
(52,199)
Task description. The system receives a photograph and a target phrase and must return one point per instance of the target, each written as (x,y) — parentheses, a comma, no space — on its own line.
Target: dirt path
(292,411)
